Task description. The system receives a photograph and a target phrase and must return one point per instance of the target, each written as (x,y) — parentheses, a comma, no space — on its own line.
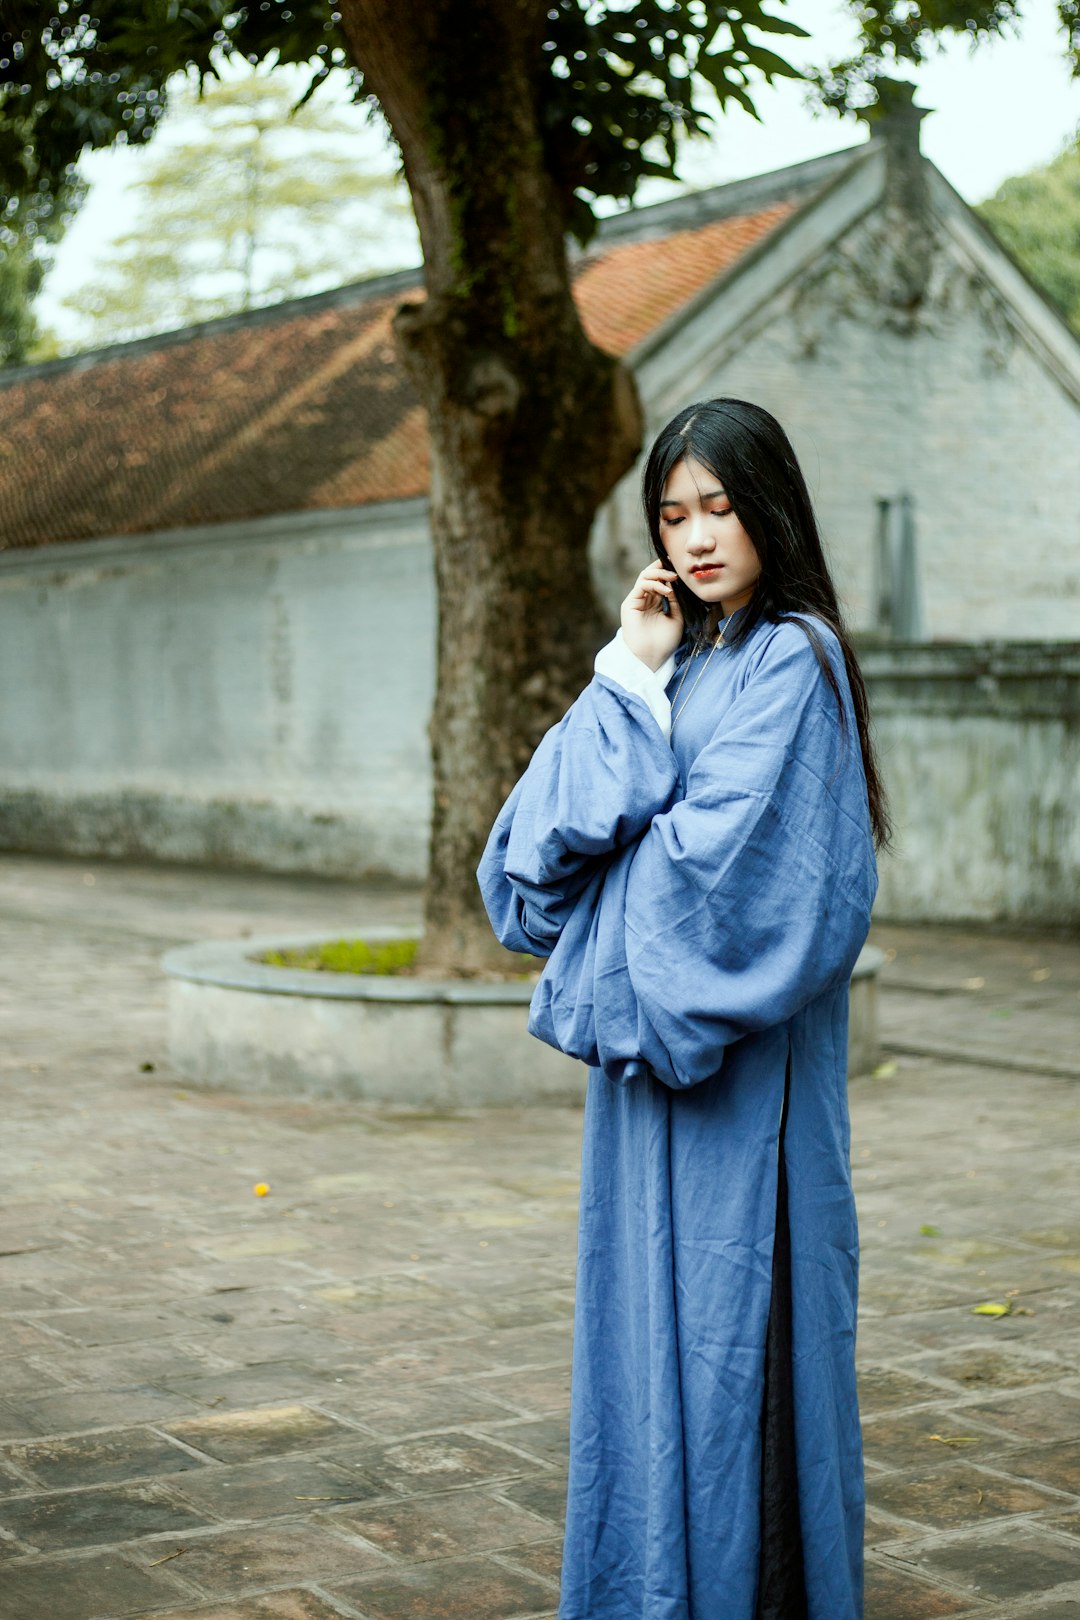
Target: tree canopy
(1037,216)
(249,202)
(617,84)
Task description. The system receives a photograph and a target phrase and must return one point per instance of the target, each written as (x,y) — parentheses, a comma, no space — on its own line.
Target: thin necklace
(719,642)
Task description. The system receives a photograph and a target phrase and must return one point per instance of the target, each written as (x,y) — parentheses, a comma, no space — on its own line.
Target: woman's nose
(700,540)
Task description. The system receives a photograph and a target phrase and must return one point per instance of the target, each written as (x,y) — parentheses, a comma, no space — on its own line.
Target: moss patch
(348,956)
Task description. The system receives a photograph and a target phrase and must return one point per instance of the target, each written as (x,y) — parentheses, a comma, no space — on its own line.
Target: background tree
(27,231)
(251,200)
(1037,216)
(512,118)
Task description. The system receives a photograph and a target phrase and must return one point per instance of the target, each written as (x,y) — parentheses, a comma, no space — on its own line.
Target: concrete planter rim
(230,964)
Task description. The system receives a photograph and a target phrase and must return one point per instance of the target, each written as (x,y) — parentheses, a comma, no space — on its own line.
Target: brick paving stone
(406,1289)
(893,1594)
(113,1367)
(16,1424)
(264,1431)
(91,1518)
(543,1494)
(443,1526)
(543,1558)
(102,1587)
(534,1389)
(1067,1609)
(1043,1415)
(99,1459)
(529,1310)
(547,1438)
(275,1486)
(415,1409)
(231,1561)
(881,1389)
(452,1589)
(68,1411)
(94,1327)
(998,1367)
(926,1435)
(946,1498)
(274,1383)
(280,1605)
(431,1462)
(882,1530)
(1012,1561)
(1052,1465)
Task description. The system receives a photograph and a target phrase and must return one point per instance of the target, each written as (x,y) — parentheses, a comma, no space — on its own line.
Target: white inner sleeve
(627,670)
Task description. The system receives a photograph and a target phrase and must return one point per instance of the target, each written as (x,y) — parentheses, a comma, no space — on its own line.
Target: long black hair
(745,447)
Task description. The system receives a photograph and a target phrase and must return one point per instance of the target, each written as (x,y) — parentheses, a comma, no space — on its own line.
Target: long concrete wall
(248,695)
(980,748)
(258,695)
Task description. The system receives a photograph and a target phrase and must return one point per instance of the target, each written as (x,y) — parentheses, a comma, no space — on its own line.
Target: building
(216,600)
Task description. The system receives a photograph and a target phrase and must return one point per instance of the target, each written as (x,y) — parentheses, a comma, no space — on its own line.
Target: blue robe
(701,903)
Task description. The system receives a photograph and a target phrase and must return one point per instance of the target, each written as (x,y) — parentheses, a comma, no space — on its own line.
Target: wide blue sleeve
(592,787)
(740,902)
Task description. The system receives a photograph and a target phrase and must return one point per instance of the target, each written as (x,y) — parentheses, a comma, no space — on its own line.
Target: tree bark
(530,424)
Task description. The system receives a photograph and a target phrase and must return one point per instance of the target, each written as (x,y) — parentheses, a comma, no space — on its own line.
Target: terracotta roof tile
(295,410)
(627,292)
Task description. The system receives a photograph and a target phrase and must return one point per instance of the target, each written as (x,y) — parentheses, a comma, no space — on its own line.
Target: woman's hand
(651,634)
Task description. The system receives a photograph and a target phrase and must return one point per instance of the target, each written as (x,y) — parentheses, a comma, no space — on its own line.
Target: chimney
(894,121)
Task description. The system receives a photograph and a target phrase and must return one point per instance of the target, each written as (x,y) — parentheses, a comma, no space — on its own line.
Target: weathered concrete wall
(252,695)
(260,697)
(980,748)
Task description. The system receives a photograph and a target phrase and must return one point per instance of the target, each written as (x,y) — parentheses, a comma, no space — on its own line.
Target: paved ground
(348,1398)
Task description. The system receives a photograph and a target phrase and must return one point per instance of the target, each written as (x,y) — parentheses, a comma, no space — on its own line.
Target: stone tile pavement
(348,1398)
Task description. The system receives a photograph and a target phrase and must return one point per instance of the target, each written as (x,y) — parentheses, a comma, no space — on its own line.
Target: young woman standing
(692,848)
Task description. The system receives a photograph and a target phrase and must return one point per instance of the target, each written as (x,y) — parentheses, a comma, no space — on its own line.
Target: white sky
(996,112)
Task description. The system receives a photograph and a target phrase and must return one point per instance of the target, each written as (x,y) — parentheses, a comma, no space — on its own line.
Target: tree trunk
(530,425)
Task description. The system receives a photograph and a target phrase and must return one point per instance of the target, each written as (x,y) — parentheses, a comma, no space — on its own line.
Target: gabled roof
(304,405)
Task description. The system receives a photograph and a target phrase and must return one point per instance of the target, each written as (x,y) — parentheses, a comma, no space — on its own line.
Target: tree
(1037,216)
(512,117)
(251,202)
(26,233)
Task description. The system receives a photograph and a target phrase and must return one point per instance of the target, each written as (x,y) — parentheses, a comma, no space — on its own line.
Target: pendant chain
(719,642)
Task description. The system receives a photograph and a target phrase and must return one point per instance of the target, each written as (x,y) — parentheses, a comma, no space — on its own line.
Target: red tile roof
(287,410)
(628,291)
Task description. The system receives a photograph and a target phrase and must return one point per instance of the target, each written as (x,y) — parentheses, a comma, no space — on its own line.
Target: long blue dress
(701,903)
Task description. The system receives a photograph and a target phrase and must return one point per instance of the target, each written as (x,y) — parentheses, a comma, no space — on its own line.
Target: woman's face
(708,547)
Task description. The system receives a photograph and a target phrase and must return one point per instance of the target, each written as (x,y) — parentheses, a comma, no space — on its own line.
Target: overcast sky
(995,112)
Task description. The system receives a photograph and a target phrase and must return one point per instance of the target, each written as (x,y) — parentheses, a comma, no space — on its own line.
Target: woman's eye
(671,523)
(725,511)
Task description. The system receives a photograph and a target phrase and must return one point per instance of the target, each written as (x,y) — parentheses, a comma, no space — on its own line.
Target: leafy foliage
(617,84)
(233,211)
(1037,216)
(899,34)
(26,234)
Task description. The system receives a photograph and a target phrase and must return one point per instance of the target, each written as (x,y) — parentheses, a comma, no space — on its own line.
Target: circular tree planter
(241,1025)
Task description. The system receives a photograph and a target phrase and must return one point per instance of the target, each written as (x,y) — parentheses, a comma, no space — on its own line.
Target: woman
(692,848)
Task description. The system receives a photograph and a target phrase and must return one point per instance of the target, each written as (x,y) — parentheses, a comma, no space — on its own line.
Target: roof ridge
(748,195)
(353,292)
